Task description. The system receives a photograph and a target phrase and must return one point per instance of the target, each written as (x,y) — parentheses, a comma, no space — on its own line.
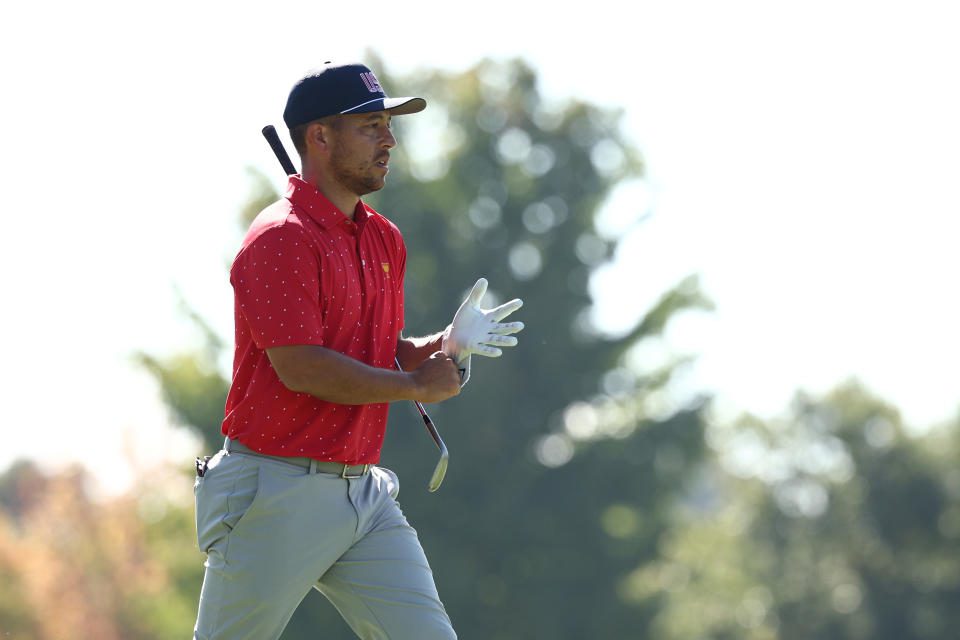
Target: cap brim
(396,106)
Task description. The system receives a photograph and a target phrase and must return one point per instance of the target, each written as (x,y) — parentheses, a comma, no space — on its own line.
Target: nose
(389,141)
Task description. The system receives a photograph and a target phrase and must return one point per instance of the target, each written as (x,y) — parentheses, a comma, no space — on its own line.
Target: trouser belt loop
(313,467)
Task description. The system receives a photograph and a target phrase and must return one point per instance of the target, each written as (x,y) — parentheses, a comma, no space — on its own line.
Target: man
(295,500)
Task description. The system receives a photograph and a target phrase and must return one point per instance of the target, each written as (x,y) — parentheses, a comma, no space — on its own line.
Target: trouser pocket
(225,494)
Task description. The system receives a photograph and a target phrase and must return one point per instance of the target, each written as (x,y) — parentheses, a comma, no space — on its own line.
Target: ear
(318,136)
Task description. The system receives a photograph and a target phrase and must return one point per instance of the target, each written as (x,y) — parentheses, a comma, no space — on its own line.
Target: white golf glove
(479,331)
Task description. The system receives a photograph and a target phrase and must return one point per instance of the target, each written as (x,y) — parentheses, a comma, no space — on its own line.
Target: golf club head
(440,471)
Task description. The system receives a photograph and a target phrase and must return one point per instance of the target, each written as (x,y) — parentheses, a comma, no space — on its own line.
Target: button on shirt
(308,275)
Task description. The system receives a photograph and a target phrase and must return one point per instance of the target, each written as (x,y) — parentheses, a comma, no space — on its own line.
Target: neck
(343,199)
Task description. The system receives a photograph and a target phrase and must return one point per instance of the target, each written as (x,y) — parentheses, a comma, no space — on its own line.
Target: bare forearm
(412,351)
(334,377)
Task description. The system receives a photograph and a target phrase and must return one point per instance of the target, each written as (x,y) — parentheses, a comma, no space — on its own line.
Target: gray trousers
(272,531)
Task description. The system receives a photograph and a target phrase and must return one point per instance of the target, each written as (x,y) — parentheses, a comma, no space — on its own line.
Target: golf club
(441,469)
(273,139)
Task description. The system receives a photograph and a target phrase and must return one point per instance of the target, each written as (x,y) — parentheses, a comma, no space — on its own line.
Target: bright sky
(802,157)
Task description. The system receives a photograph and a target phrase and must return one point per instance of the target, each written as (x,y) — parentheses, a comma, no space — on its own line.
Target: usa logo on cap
(334,89)
(371,82)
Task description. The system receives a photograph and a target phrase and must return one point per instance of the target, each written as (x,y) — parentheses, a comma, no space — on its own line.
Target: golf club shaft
(428,423)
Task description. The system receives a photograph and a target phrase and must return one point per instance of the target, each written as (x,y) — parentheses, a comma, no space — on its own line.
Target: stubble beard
(359,181)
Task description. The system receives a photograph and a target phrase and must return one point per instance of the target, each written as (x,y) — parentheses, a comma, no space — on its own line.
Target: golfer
(295,500)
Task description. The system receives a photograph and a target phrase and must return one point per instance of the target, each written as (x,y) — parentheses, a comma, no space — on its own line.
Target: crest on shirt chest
(383,265)
(386,268)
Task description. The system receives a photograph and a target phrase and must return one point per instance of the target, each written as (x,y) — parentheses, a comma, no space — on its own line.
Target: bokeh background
(734,410)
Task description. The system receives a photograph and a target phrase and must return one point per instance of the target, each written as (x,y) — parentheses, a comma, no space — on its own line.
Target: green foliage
(194,390)
(492,181)
(835,523)
(511,195)
(579,502)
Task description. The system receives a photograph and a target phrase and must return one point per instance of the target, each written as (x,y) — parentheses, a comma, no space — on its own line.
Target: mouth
(382,163)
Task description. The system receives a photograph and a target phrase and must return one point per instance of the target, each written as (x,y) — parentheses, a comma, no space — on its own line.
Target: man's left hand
(480,331)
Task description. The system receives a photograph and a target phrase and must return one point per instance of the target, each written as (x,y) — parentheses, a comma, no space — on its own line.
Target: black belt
(311,465)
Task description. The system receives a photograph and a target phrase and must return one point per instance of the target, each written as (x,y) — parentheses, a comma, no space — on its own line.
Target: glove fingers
(501,312)
(500,341)
(476,294)
(488,351)
(507,328)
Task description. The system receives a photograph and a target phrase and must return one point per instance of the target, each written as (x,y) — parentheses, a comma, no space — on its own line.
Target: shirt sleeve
(276,280)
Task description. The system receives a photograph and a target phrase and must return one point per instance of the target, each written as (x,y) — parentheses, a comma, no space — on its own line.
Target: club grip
(270,133)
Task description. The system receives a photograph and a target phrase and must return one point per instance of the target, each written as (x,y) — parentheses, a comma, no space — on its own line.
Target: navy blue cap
(342,88)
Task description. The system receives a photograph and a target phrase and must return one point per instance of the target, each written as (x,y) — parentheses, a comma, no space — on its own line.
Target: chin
(362,188)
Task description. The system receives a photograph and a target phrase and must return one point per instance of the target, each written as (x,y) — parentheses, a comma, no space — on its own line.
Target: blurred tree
(552,445)
(562,475)
(581,500)
(835,523)
(72,567)
(20,487)
(191,383)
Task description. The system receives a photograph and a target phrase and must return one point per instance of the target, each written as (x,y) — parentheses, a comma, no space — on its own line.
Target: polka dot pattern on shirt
(303,276)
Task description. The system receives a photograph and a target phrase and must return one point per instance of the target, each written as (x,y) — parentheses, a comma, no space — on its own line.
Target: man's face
(360,151)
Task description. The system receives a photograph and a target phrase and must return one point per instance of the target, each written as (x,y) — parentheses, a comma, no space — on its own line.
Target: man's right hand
(437,378)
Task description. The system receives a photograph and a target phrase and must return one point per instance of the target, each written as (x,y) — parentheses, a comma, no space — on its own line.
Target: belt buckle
(346,476)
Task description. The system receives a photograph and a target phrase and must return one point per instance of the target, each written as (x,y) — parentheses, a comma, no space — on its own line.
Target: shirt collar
(307,197)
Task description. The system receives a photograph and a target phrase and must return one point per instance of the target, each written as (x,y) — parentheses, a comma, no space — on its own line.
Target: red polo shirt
(308,275)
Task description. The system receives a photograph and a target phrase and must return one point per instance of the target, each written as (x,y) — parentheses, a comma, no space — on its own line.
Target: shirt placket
(353,233)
